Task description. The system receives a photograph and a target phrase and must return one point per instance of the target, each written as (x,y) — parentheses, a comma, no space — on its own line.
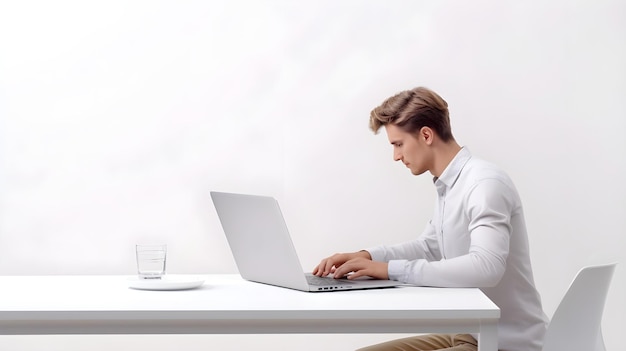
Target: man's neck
(444,154)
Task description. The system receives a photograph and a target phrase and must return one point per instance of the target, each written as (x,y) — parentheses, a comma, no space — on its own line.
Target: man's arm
(489,208)
(426,246)
(373,262)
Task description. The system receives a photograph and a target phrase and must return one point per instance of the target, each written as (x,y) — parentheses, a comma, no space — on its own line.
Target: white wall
(118,117)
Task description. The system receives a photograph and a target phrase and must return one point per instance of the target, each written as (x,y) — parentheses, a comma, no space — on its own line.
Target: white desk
(226,304)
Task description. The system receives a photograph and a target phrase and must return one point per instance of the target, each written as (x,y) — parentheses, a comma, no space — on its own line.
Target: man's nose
(397,156)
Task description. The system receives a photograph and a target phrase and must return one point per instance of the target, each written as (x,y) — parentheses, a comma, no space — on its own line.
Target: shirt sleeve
(426,246)
(489,207)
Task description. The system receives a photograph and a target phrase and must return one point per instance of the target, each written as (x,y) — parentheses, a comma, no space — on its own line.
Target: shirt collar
(453,170)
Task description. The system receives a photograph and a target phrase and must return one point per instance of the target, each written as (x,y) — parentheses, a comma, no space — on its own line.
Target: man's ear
(427,134)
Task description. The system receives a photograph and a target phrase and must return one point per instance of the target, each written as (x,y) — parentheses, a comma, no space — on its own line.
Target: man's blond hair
(413,109)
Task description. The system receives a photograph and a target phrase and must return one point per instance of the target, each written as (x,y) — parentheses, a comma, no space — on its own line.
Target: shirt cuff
(396,269)
(377,254)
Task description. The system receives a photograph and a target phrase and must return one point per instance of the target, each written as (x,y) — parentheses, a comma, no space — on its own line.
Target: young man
(476,238)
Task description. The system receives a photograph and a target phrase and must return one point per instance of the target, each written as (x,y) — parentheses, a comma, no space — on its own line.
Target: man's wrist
(365,254)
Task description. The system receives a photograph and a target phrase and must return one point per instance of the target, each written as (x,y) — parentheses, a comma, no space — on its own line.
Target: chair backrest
(576,321)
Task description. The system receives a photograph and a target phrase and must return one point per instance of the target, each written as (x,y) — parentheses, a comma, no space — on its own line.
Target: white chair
(576,324)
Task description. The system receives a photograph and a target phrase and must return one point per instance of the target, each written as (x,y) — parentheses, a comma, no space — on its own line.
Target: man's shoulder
(479,166)
(478,170)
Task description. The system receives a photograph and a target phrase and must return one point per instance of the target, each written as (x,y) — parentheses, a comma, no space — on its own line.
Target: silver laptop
(263,250)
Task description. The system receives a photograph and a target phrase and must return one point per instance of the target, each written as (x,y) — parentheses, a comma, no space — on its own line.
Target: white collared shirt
(476,238)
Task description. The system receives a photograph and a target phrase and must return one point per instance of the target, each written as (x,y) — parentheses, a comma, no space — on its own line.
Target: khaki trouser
(429,342)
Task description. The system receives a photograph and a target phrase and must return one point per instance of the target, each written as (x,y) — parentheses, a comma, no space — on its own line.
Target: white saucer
(167,282)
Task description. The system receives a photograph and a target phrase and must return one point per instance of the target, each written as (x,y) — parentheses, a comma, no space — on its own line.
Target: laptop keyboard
(322,281)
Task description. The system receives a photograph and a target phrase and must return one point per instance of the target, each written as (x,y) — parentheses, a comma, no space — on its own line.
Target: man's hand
(330,264)
(360,267)
(358,263)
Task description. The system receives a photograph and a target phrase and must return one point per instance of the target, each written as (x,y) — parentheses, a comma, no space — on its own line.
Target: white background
(117,118)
